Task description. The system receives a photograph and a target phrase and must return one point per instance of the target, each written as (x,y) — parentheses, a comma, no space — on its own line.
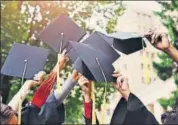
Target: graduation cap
(99,41)
(72,54)
(80,66)
(58,33)
(127,42)
(96,61)
(24,61)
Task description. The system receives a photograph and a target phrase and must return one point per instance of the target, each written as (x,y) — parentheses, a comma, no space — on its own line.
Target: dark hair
(170,117)
(5,114)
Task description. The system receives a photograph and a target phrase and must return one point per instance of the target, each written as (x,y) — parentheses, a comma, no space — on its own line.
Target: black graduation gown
(89,121)
(130,112)
(50,113)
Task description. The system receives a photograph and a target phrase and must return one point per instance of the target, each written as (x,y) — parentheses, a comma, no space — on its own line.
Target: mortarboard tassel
(103,108)
(20,110)
(20,97)
(105,88)
(146,72)
(59,81)
(93,104)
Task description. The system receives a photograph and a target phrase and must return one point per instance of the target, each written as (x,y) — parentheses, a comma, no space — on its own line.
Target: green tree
(167,68)
(22,21)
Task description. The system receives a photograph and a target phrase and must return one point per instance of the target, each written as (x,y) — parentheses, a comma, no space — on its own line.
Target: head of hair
(6,113)
(170,117)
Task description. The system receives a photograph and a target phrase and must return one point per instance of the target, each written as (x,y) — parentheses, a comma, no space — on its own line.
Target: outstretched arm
(23,92)
(67,87)
(45,88)
(86,90)
(173,52)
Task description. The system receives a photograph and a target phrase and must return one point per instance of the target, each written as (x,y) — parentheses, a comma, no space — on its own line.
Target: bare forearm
(125,95)
(173,53)
(22,93)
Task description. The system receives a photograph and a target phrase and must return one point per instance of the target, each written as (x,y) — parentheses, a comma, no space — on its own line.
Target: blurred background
(153,76)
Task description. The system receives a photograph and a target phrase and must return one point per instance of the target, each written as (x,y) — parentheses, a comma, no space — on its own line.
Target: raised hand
(160,40)
(86,87)
(121,85)
(29,84)
(39,76)
(75,75)
(62,61)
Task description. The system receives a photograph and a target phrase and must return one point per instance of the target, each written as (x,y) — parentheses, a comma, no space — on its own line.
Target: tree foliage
(21,22)
(167,68)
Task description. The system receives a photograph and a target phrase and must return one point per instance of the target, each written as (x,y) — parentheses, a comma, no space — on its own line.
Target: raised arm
(130,107)
(67,87)
(45,88)
(23,92)
(86,91)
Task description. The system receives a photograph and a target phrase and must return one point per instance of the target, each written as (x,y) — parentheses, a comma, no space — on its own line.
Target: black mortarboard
(72,54)
(80,66)
(99,41)
(127,42)
(52,34)
(96,61)
(23,57)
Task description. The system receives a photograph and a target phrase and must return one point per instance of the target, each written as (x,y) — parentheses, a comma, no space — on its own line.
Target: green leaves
(111,25)
(164,68)
(176,78)
(169,102)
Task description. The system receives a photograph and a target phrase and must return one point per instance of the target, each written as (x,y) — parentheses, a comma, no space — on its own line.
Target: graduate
(52,111)
(86,91)
(49,110)
(9,112)
(128,109)
(44,100)
(16,64)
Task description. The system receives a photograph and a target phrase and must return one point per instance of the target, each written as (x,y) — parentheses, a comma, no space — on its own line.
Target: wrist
(27,86)
(87,98)
(75,78)
(126,94)
(169,49)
